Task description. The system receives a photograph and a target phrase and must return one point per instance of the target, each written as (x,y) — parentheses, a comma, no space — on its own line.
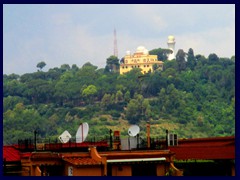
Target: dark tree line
(195,93)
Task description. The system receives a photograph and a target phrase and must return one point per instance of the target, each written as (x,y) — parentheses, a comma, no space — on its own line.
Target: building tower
(115,50)
(171,46)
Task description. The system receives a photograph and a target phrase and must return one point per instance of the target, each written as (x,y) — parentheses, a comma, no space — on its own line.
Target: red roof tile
(81,161)
(11,154)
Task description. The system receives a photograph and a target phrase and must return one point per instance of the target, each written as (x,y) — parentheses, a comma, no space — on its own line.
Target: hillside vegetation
(193,96)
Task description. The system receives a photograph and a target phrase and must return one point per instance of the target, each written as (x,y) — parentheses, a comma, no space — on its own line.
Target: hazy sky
(76,34)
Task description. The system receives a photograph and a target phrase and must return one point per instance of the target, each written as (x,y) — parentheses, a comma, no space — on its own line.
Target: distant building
(140,59)
(171,45)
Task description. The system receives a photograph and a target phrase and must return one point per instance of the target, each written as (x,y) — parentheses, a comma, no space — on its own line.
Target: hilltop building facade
(140,59)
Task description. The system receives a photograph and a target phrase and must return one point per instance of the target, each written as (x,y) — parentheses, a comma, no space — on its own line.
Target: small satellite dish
(82,132)
(65,137)
(133,130)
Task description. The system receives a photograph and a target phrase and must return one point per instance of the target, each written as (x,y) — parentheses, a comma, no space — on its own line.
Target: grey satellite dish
(133,130)
(65,137)
(82,132)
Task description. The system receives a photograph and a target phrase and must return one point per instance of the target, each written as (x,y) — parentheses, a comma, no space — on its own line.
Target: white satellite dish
(133,130)
(65,137)
(82,132)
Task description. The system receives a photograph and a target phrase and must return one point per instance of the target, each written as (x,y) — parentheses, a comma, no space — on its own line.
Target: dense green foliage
(193,96)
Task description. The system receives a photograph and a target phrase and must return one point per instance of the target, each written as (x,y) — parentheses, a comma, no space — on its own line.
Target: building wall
(71,170)
(139,60)
(36,171)
(121,170)
(161,170)
(80,164)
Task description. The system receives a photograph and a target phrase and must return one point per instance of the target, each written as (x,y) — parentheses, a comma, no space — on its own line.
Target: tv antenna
(133,130)
(115,50)
(82,132)
(65,137)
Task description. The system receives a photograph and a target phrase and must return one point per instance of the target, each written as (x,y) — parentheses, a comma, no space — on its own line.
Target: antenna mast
(115,50)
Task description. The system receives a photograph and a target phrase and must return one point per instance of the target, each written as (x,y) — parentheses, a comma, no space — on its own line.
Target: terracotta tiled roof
(81,161)
(11,154)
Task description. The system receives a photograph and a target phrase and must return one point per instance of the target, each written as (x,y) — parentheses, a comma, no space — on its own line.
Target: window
(172,140)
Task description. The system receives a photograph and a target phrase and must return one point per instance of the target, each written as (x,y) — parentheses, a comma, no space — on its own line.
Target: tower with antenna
(115,50)
(171,45)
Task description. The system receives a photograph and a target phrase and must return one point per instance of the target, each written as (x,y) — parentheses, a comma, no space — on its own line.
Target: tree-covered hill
(193,96)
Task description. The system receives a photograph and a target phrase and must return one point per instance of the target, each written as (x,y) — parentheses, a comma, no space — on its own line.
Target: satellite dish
(65,137)
(133,130)
(82,132)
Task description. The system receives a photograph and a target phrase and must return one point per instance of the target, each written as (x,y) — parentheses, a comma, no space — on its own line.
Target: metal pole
(82,132)
(137,141)
(129,148)
(148,134)
(35,140)
(110,133)
(166,139)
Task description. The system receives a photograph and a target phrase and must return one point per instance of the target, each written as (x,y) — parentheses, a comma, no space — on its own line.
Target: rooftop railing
(102,144)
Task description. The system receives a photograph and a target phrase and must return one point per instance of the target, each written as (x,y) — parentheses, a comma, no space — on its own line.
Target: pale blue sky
(76,34)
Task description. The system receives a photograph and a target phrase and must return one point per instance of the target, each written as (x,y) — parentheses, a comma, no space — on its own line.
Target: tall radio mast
(115,50)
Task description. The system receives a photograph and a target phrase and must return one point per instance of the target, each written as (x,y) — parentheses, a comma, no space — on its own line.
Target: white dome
(140,49)
(145,52)
(171,38)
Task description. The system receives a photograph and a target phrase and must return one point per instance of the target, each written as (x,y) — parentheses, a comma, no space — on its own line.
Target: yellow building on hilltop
(140,59)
